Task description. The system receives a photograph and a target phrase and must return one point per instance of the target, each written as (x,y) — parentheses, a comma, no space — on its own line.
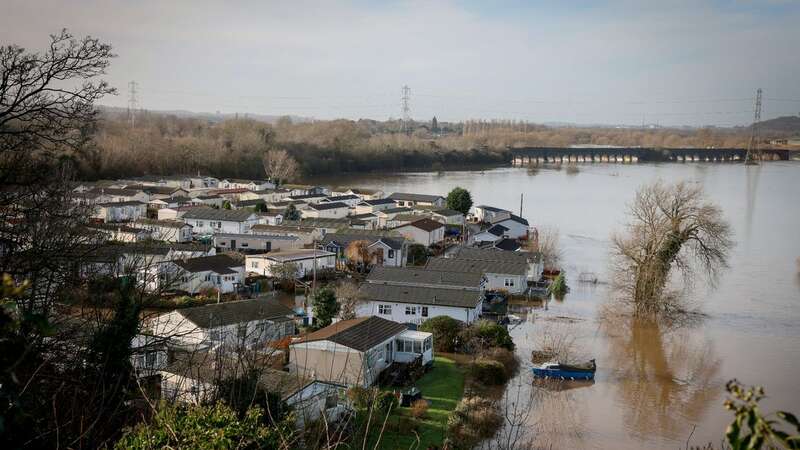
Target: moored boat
(566,371)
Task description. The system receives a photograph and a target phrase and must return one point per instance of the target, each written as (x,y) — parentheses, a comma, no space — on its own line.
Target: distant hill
(781,126)
(211,117)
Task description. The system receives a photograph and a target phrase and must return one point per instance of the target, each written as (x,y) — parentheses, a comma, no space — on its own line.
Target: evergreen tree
(459,199)
(325,307)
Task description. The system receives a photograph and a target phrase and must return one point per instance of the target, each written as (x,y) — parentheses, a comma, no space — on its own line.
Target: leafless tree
(348,297)
(672,227)
(279,166)
(358,253)
(547,242)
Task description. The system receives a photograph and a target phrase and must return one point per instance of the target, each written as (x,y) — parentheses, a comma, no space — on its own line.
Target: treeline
(165,144)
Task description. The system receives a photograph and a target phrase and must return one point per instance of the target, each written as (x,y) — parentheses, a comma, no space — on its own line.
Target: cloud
(614,62)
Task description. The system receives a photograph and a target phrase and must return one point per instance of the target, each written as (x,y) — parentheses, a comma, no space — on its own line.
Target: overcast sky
(613,62)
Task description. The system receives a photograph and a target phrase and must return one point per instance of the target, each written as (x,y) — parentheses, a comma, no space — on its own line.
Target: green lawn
(443,387)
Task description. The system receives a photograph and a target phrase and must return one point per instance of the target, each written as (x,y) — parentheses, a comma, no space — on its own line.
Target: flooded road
(655,386)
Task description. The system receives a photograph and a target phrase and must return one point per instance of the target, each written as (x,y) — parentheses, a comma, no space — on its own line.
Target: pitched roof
(424,224)
(293,255)
(492,208)
(513,218)
(307,196)
(127,203)
(493,255)
(509,245)
(345,237)
(283,228)
(364,191)
(359,334)
(398,210)
(114,191)
(232,215)
(421,295)
(415,197)
(497,230)
(423,276)
(446,212)
(326,206)
(227,313)
(339,198)
(379,201)
(473,266)
(220,264)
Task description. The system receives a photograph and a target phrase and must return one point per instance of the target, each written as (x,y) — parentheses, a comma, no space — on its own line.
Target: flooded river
(655,386)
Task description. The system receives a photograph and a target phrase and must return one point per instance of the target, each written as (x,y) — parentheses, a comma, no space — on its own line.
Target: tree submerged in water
(672,227)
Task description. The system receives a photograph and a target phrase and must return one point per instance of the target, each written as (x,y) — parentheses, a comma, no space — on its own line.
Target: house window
(400,345)
(391,254)
(151,359)
(509,282)
(255,264)
(428,343)
(417,347)
(199,223)
(288,328)
(411,310)
(215,336)
(424,311)
(385,309)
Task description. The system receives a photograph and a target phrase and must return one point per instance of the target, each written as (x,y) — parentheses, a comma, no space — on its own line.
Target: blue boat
(566,371)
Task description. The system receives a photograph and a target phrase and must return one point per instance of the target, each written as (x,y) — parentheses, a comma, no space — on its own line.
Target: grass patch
(443,386)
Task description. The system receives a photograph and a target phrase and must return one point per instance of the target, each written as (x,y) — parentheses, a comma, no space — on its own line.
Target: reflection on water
(664,379)
(653,385)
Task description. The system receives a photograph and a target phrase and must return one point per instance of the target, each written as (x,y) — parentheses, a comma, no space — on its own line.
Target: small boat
(566,371)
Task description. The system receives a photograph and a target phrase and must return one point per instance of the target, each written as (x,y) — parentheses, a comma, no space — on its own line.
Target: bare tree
(672,227)
(279,166)
(348,297)
(546,242)
(357,252)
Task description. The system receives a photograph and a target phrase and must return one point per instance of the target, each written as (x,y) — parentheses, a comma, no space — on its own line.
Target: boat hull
(563,374)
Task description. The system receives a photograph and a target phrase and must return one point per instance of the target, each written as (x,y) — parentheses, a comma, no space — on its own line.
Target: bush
(406,424)
(419,409)
(359,396)
(387,401)
(506,357)
(474,419)
(446,331)
(485,334)
(488,372)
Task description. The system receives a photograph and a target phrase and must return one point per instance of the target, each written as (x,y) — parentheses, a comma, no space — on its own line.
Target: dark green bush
(446,332)
(488,372)
(485,334)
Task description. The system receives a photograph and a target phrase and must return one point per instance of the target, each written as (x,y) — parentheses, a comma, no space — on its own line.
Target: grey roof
(251,237)
(492,208)
(514,218)
(233,215)
(379,201)
(398,210)
(365,216)
(325,206)
(360,334)
(114,191)
(126,203)
(460,298)
(447,212)
(282,228)
(424,224)
(319,222)
(219,314)
(473,266)
(248,203)
(493,255)
(343,238)
(294,255)
(307,196)
(220,264)
(415,197)
(510,245)
(422,276)
(161,223)
(339,198)
(497,230)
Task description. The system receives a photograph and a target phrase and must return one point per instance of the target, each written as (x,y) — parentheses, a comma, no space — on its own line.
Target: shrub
(419,409)
(406,424)
(485,334)
(446,331)
(506,357)
(474,419)
(387,401)
(359,396)
(488,371)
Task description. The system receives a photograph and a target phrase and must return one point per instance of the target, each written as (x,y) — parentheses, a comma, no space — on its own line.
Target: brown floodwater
(655,386)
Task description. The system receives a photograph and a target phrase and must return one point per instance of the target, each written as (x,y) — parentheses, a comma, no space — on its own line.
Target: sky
(610,62)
